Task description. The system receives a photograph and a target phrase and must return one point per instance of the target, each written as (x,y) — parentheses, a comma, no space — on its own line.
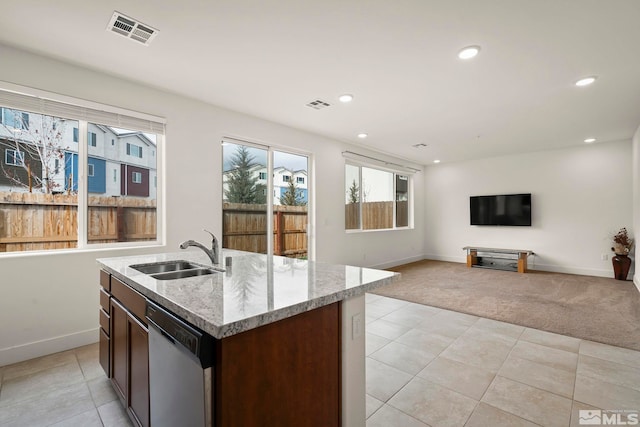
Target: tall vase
(621,265)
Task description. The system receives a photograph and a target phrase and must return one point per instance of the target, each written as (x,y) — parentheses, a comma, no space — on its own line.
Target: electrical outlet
(356,324)
(604,257)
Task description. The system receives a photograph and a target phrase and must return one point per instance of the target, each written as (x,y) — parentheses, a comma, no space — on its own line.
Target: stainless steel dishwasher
(180,371)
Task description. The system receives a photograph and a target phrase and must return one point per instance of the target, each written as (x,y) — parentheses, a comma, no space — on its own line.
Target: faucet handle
(213,238)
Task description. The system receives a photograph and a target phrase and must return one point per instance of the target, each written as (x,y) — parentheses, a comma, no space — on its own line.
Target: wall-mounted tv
(504,209)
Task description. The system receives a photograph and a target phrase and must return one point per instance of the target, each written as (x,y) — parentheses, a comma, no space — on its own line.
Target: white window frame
(300,180)
(38,101)
(137,175)
(133,147)
(410,195)
(90,169)
(17,154)
(270,188)
(92,139)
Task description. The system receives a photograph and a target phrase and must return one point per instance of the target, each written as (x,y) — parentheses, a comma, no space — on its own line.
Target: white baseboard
(398,262)
(574,270)
(49,346)
(459,259)
(636,281)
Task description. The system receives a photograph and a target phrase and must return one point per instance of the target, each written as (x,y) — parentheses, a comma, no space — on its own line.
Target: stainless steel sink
(182,274)
(171,270)
(163,267)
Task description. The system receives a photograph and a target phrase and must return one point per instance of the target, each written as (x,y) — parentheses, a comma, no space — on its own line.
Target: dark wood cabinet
(119,349)
(125,347)
(285,373)
(138,370)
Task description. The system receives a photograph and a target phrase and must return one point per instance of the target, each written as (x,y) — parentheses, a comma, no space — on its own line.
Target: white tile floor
(433,367)
(425,367)
(66,389)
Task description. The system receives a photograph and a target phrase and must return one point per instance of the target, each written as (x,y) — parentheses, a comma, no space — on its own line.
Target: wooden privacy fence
(244,227)
(375,215)
(36,221)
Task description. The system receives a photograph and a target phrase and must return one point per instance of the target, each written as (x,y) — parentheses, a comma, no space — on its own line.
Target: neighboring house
(14,157)
(119,162)
(138,159)
(281,178)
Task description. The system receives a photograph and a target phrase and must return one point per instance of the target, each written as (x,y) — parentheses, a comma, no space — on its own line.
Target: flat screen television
(504,209)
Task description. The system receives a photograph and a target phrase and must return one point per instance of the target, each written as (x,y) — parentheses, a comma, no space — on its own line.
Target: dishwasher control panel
(196,342)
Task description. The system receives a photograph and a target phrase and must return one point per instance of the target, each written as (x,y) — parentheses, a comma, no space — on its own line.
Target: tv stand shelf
(498,258)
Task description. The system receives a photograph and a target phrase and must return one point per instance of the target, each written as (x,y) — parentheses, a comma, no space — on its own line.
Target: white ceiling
(397,57)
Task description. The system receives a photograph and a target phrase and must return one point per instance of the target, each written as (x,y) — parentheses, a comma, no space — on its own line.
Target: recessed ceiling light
(436,161)
(469,52)
(590,140)
(586,81)
(362,135)
(347,97)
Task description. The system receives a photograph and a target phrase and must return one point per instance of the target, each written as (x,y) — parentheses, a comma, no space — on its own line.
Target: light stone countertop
(256,290)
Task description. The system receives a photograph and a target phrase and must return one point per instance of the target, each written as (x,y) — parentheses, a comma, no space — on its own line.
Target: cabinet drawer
(104,300)
(132,300)
(104,321)
(105,281)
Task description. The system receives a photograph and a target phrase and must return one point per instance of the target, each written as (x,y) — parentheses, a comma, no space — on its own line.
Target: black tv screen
(505,209)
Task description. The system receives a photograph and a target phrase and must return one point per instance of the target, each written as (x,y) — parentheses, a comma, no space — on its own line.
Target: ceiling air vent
(421,145)
(131,29)
(318,104)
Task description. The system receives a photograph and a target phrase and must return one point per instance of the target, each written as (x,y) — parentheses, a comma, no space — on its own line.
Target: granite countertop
(256,290)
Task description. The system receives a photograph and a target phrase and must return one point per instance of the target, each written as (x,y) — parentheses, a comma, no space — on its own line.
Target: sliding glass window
(67,183)
(265,192)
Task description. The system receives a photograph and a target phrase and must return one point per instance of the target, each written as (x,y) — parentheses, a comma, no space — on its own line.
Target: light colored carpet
(587,307)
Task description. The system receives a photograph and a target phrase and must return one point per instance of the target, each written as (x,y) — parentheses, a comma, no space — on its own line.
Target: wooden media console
(498,258)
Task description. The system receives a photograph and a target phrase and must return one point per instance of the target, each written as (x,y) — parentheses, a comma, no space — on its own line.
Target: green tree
(354,193)
(241,184)
(292,196)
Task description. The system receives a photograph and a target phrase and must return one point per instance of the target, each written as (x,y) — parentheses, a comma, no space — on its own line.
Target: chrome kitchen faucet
(211,253)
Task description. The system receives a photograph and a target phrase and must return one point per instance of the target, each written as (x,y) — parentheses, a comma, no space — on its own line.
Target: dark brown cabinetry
(285,373)
(125,347)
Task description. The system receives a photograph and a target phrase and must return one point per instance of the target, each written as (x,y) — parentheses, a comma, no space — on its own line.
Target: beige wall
(579,197)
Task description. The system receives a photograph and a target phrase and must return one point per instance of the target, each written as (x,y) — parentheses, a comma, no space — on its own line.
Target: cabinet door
(119,349)
(139,370)
(104,352)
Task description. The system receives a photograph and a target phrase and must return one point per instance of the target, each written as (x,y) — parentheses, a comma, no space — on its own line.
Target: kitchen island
(288,335)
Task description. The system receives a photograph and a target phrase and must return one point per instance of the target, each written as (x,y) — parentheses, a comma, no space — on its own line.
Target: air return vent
(131,29)
(318,104)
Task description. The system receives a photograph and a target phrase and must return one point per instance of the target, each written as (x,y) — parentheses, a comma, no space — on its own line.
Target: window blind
(110,116)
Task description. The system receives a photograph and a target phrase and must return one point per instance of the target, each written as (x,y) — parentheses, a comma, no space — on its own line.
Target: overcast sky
(289,161)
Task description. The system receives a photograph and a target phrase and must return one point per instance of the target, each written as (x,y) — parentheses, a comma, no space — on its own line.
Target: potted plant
(622,245)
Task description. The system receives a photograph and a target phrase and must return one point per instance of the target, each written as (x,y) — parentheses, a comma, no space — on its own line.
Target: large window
(375,199)
(57,196)
(250,215)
